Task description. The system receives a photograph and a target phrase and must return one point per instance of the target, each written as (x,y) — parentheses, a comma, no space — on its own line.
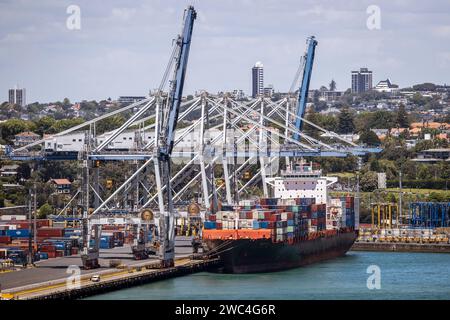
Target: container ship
(300,225)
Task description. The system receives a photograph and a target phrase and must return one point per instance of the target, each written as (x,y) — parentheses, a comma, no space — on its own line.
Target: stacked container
(290,221)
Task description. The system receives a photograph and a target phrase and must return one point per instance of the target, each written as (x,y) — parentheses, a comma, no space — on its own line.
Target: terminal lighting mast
(166,140)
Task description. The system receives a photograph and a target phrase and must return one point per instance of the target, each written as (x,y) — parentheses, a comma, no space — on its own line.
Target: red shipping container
(219,225)
(74,251)
(290,215)
(51,254)
(212,217)
(249,215)
(59,253)
(50,232)
(275,217)
(5,239)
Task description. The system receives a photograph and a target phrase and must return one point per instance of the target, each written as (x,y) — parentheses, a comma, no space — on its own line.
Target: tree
(23,171)
(369,138)
(369,181)
(65,124)
(332,85)
(44,125)
(308,129)
(402,117)
(110,123)
(12,127)
(345,121)
(427,86)
(44,211)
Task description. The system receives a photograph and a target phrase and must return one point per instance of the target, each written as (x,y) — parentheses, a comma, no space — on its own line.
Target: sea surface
(401,276)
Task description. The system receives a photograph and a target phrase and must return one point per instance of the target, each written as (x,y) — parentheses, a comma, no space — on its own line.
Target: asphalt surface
(56,268)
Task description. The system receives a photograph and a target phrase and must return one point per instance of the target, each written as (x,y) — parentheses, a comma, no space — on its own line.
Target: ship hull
(262,255)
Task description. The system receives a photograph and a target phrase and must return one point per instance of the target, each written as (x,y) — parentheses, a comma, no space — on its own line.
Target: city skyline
(123,50)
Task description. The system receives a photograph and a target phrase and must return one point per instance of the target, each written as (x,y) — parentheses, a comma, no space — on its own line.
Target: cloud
(442,31)
(123,47)
(124,14)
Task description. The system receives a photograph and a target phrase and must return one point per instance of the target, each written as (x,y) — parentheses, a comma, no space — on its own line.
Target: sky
(123,46)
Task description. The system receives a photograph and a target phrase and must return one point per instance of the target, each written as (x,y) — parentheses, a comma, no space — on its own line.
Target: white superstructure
(302,181)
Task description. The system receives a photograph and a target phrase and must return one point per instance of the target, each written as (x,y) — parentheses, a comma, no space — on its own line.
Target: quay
(402,247)
(48,279)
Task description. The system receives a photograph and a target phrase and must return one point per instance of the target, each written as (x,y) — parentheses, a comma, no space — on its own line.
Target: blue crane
(303,90)
(167,138)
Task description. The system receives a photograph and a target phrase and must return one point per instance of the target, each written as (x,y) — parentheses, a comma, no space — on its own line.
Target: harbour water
(402,276)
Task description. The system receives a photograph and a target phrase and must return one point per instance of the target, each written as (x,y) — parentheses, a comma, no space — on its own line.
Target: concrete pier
(48,279)
(401,247)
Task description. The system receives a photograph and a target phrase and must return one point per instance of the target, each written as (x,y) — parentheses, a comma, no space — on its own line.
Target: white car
(95,278)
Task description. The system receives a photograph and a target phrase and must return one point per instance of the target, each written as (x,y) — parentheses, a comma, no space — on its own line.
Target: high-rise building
(17,96)
(361,80)
(268,91)
(257,79)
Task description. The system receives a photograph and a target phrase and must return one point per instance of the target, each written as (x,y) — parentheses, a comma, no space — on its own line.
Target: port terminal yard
(48,279)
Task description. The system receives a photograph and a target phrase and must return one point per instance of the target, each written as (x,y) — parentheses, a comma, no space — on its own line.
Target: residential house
(25,138)
(61,185)
(433,155)
(9,170)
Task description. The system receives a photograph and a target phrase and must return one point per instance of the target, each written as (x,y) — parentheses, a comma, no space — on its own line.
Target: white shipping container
(13,217)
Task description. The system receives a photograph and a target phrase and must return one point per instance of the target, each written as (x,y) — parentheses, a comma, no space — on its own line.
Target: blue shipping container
(43,255)
(264,224)
(19,233)
(209,225)
(255,224)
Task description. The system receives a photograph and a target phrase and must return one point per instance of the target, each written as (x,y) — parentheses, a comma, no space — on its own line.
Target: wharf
(401,247)
(48,279)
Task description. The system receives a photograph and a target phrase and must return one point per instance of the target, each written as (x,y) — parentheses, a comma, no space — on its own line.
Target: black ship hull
(262,255)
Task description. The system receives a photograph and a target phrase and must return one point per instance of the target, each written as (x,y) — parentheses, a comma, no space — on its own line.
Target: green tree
(65,124)
(402,117)
(44,125)
(369,181)
(436,197)
(11,127)
(110,123)
(369,138)
(345,121)
(44,211)
(427,86)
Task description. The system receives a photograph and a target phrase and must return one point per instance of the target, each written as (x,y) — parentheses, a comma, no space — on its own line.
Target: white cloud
(123,13)
(442,31)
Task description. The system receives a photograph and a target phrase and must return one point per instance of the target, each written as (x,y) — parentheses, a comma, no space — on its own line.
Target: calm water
(403,276)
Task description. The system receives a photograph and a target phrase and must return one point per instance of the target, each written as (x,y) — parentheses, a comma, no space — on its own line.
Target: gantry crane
(165,126)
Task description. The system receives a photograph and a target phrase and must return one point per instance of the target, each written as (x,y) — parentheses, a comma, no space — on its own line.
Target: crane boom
(165,145)
(184,43)
(304,88)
